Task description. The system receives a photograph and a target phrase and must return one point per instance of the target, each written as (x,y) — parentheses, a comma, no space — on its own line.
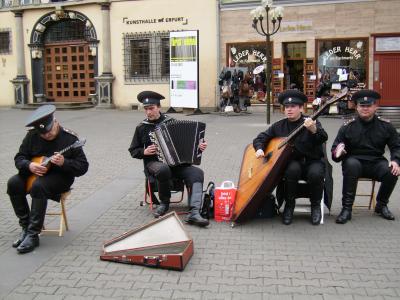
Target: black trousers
(353,168)
(163,174)
(49,186)
(312,171)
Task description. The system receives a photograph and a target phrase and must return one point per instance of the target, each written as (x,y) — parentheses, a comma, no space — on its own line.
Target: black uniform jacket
(141,139)
(367,140)
(306,144)
(75,162)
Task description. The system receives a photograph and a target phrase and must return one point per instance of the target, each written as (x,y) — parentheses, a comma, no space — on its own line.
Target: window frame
(4,51)
(156,57)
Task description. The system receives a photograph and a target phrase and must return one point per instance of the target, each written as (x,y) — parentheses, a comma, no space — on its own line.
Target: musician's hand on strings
(203,146)
(37,169)
(150,150)
(340,150)
(311,125)
(395,168)
(57,159)
(259,153)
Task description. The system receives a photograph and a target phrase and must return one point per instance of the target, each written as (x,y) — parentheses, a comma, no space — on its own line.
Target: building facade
(102,51)
(355,43)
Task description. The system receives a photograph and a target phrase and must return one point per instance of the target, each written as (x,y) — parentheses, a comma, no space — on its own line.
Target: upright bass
(259,176)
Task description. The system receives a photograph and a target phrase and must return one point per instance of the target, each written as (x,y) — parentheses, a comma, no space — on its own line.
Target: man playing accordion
(143,147)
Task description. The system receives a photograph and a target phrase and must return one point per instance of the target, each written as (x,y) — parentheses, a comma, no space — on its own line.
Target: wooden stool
(371,195)
(62,214)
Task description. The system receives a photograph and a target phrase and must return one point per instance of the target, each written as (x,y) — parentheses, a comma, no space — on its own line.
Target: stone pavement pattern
(261,259)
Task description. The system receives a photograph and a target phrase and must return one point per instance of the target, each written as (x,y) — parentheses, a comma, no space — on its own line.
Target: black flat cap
(149,98)
(292,97)
(366,97)
(42,118)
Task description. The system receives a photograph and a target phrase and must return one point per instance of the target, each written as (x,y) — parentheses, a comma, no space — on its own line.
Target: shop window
(5,41)
(146,57)
(342,62)
(246,55)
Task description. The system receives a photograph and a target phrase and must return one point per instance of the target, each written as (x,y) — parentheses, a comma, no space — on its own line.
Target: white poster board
(184,69)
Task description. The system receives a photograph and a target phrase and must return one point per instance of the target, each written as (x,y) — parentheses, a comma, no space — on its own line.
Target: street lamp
(265,11)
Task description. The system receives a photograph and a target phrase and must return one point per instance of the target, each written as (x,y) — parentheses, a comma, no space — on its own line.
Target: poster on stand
(184,69)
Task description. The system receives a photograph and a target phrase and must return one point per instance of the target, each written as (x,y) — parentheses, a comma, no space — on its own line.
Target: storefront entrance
(294,62)
(295,74)
(69,72)
(386,69)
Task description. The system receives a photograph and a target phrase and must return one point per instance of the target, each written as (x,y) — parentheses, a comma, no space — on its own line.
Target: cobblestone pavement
(261,259)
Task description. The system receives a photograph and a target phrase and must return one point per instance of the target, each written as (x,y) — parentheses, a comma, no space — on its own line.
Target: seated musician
(360,145)
(46,138)
(142,147)
(306,160)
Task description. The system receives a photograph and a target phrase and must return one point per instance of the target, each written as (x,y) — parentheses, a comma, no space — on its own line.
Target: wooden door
(68,72)
(387,78)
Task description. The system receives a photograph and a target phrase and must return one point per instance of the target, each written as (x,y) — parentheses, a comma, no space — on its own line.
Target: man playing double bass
(46,139)
(306,160)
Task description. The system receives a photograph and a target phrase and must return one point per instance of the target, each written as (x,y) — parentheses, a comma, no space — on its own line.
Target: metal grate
(146,57)
(66,30)
(5,42)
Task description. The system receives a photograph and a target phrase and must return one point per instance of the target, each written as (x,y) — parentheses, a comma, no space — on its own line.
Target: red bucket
(223,201)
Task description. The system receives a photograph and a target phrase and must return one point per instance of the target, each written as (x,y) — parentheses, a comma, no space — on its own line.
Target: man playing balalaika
(48,160)
(143,146)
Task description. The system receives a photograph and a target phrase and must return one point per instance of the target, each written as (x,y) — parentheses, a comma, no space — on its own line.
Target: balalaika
(178,142)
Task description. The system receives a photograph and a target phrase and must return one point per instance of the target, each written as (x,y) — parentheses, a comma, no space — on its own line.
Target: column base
(104,90)
(20,90)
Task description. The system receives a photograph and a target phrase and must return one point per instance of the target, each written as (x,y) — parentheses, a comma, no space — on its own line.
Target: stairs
(59,105)
(391,113)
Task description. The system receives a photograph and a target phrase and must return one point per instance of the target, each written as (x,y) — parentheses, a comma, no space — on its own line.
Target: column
(21,81)
(104,81)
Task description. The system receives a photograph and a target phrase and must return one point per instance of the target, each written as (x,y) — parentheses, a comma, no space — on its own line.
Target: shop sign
(388,44)
(350,51)
(248,55)
(128,21)
(296,26)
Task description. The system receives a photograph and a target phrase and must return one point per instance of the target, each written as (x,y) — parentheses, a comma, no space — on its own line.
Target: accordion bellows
(178,141)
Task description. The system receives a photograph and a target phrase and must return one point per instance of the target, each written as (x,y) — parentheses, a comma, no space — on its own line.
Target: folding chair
(370,195)
(63,216)
(150,198)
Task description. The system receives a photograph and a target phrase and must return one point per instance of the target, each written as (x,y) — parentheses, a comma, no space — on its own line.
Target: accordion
(178,142)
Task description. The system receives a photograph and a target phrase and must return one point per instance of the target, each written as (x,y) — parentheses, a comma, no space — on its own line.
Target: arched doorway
(64,58)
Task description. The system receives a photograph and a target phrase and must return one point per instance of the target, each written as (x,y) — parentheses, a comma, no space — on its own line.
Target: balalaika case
(163,243)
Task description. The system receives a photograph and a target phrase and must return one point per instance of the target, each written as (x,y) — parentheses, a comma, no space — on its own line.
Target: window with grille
(5,42)
(146,57)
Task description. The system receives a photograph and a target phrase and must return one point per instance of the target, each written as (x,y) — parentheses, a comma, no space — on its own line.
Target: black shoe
(196,219)
(161,210)
(287,216)
(384,212)
(20,239)
(344,216)
(28,244)
(316,215)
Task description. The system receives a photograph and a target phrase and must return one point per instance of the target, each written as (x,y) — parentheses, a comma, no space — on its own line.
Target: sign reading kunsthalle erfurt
(129,21)
(184,69)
